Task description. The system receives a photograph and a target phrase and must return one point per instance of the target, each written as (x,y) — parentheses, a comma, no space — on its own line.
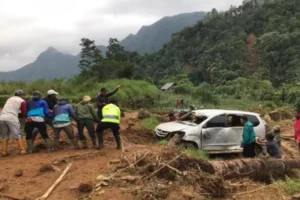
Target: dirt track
(88,164)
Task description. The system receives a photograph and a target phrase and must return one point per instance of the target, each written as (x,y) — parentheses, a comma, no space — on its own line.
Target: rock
(85,187)
(101,192)
(131,178)
(102,178)
(46,168)
(19,173)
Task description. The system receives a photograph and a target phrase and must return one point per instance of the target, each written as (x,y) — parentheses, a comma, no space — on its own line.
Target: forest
(250,51)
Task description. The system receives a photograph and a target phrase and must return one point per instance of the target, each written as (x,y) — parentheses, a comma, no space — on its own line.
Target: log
(45,196)
(10,197)
(258,169)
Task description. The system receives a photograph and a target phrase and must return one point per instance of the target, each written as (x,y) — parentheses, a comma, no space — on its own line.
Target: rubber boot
(100,141)
(21,146)
(29,146)
(75,143)
(56,144)
(4,147)
(118,143)
(47,144)
(94,143)
(84,143)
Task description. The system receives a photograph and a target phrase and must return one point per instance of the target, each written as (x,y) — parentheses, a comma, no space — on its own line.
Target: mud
(132,183)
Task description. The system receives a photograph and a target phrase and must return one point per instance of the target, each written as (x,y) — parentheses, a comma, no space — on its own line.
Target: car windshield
(193,120)
(187,123)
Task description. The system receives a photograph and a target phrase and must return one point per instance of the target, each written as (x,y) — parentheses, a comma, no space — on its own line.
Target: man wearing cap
(111,120)
(37,112)
(51,100)
(62,113)
(86,115)
(102,99)
(9,121)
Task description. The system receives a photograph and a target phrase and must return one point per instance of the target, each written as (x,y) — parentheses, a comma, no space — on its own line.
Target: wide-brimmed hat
(86,98)
(51,92)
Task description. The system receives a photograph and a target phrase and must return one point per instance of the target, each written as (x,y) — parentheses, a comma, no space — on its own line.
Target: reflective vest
(111,113)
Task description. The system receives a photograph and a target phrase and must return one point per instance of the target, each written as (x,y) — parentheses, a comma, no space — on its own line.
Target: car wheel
(189,145)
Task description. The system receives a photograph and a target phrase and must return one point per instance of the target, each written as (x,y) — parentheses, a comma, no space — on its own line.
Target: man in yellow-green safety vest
(111,116)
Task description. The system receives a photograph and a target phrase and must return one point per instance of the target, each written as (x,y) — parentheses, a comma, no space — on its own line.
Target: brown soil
(129,185)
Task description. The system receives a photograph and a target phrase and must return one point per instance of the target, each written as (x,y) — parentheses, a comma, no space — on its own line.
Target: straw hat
(86,98)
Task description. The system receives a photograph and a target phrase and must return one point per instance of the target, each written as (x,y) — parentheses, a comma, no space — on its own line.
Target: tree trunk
(258,169)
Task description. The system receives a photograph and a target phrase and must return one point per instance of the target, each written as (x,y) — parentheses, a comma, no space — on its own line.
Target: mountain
(53,64)
(50,64)
(151,38)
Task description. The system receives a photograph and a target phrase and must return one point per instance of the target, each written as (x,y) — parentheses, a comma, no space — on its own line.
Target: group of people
(42,112)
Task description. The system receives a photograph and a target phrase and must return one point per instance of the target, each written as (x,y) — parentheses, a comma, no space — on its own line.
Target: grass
(196,153)
(291,186)
(163,142)
(150,123)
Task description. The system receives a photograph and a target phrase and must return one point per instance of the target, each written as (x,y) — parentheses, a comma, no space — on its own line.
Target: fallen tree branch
(10,197)
(130,165)
(156,171)
(175,170)
(251,191)
(45,196)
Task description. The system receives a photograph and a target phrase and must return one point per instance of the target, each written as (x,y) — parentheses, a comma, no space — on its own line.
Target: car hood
(174,126)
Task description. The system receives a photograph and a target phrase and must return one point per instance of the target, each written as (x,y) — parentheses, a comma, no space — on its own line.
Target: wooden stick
(163,166)
(247,192)
(45,196)
(10,197)
(175,170)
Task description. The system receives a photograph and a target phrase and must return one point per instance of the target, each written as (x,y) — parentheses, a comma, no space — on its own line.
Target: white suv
(216,131)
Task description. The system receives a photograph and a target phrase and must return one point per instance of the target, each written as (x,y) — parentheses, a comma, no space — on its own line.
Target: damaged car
(212,130)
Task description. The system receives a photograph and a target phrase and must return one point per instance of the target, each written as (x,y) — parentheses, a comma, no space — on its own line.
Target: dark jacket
(274,149)
(102,100)
(51,102)
(62,112)
(37,107)
(86,110)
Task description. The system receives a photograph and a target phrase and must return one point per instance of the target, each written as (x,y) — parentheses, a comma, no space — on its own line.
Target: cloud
(30,27)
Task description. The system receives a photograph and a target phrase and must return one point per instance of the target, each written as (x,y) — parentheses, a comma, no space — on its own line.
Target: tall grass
(150,123)
(196,153)
(291,186)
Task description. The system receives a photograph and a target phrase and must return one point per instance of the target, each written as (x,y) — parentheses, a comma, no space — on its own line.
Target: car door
(235,131)
(214,133)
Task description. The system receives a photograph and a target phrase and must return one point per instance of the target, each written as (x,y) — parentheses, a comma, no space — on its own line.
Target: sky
(29,27)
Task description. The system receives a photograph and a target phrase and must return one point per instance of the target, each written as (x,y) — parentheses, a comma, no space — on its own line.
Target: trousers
(89,124)
(67,129)
(10,127)
(249,150)
(107,125)
(41,126)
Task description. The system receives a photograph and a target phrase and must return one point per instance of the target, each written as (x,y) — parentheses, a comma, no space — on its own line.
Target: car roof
(215,112)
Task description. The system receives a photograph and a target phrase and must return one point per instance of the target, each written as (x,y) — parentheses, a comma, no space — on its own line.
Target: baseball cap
(19,92)
(86,98)
(51,92)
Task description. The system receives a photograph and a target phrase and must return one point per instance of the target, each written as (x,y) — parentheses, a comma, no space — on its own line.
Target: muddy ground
(21,176)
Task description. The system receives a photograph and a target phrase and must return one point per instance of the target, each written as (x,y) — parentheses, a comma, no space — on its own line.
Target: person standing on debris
(86,115)
(9,121)
(297,129)
(249,138)
(37,112)
(62,113)
(102,99)
(51,100)
(110,120)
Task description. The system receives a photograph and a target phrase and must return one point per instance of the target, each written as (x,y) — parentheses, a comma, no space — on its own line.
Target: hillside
(49,65)
(151,38)
(254,38)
